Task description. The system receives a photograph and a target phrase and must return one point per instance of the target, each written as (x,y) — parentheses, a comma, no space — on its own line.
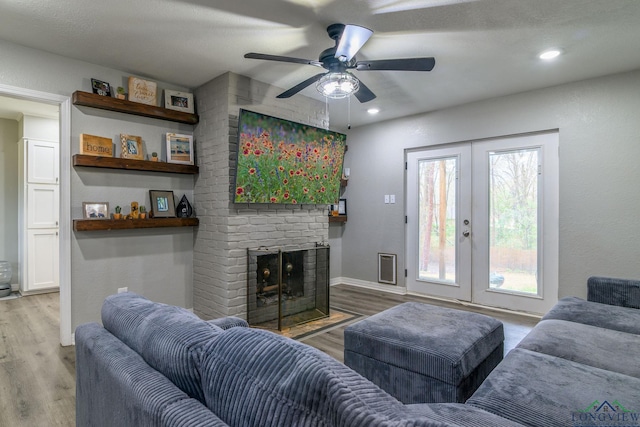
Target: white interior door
(439,222)
(482,222)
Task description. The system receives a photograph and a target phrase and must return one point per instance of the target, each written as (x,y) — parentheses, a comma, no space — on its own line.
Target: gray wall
(9,194)
(599,174)
(157,263)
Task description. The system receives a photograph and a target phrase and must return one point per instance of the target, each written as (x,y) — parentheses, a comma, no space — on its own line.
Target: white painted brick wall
(227,230)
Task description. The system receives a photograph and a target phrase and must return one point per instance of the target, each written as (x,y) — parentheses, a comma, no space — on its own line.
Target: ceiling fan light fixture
(337,85)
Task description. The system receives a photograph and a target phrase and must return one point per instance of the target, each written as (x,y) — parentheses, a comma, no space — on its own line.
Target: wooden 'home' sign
(92,145)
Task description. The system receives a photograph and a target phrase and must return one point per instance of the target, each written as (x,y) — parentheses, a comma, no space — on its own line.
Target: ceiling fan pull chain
(349,112)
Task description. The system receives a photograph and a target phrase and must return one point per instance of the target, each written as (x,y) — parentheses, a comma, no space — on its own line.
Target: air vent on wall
(387,268)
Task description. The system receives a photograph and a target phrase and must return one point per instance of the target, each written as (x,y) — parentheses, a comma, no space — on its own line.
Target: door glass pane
(437,219)
(513,221)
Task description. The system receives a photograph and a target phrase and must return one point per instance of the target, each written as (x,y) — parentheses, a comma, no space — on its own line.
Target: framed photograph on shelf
(162,204)
(342,207)
(131,147)
(101,88)
(95,210)
(179,148)
(178,101)
(143,91)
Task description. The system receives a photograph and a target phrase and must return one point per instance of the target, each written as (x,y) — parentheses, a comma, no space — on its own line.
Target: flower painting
(285,162)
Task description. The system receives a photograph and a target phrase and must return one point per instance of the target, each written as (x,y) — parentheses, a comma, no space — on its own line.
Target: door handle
(466,233)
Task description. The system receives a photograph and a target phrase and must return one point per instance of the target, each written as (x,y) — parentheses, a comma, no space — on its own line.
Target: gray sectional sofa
(151,364)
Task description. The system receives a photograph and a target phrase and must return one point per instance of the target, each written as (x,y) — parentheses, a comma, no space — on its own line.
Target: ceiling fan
(337,82)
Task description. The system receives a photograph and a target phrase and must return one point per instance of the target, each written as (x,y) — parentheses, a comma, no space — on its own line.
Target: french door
(482,222)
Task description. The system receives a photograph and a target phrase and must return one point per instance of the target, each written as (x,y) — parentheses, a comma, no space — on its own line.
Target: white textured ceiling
(483,48)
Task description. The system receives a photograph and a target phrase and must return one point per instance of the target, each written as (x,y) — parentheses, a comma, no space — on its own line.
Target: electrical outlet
(121,290)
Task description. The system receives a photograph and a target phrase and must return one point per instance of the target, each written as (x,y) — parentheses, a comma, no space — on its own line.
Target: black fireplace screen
(286,287)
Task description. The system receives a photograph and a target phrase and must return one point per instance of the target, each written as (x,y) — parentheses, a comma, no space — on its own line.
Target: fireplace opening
(287,286)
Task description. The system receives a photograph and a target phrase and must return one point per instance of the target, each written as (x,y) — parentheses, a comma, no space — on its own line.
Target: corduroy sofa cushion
(589,345)
(169,338)
(574,309)
(539,390)
(255,378)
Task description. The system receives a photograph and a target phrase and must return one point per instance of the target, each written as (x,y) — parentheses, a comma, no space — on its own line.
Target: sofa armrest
(620,292)
(116,387)
(229,322)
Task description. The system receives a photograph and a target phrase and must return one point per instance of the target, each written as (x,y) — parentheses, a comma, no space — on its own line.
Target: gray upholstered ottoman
(422,353)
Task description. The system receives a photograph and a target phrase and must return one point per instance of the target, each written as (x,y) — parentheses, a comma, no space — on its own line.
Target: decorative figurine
(184,209)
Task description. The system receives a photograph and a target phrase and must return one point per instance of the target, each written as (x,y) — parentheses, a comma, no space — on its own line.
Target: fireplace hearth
(287,286)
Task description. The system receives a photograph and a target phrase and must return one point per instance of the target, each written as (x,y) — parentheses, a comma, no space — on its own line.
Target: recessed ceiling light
(550,54)
(373,110)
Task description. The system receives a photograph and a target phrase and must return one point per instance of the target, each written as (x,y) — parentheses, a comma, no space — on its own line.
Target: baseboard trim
(393,289)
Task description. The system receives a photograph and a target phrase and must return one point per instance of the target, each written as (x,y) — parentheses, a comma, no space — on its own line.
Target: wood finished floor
(37,375)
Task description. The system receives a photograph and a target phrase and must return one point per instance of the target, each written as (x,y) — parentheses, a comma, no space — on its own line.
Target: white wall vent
(387,268)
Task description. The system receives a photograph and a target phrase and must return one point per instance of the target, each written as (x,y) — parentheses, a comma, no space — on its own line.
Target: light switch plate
(386,198)
(392,198)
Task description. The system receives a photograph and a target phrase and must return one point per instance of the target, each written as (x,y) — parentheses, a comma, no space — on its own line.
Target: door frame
(64,117)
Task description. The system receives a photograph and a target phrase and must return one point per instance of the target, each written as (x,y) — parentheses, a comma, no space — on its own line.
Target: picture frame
(143,91)
(179,148)
(95,210)
(131,146)
(178,101)
(100,88)
(342,207)
(162,204)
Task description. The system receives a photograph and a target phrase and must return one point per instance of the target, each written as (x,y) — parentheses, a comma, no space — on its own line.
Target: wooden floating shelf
(87,99)
(132,164)
(129,224)
(339,218)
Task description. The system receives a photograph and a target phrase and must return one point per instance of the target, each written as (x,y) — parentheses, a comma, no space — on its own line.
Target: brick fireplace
(287,286)
(228,230)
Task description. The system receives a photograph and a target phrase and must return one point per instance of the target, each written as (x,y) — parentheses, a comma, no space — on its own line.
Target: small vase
(117,216)
(142,215)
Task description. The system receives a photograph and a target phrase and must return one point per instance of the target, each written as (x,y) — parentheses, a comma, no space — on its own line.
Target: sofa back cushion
(256,378)
(170,339)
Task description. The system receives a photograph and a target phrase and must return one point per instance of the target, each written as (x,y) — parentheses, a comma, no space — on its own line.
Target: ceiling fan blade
(252,55)
(297,88)
(364,94)
(408,64)
(352,39)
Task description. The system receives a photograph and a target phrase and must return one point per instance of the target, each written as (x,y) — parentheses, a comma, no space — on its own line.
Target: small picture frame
(179,148)
(142,91)
(342,207)
(95,210)
(178,101)
(162,204)
(101,88)
(131,147)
